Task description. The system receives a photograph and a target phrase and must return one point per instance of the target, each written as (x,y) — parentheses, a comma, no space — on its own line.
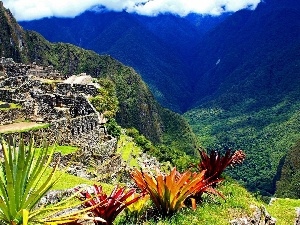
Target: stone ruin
(46,96)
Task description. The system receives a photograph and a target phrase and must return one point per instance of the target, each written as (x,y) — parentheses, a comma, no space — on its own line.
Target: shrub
(106,102)
(113,128)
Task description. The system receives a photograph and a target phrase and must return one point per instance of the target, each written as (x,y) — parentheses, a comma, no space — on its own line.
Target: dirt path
(18,126)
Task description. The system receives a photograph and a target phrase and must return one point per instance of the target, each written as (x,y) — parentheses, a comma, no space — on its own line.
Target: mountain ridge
(159,53)
(138,107)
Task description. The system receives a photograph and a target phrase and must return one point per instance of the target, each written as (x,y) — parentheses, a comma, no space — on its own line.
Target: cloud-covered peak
(36,9)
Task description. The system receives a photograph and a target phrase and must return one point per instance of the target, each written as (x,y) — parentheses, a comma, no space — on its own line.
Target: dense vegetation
(247,93)
(289,185)
(265,136)
(106,102)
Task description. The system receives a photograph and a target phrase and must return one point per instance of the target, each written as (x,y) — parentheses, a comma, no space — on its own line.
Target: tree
(106,102)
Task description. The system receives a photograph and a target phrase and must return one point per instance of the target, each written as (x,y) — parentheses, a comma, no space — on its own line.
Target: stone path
(18,126)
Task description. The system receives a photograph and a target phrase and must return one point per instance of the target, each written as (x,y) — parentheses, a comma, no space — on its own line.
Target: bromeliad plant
(134,211)
(168,192)
(108,207)
(215,164)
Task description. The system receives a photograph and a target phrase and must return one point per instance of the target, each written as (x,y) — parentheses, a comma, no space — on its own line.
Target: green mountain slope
(248,93)
(289,182)
(138,107)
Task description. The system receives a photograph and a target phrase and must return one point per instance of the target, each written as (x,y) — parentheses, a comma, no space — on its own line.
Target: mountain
(11,36)
(240,81)
(159,48)
(138,107)
(250,49)
(246,90)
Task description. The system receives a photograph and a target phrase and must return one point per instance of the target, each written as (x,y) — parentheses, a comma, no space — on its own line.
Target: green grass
(128,150)
(284,210)
(65,149)
(67,181)
(11,106)
(49,81)
(217,211)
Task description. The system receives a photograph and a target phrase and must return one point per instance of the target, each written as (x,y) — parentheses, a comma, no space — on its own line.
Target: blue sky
(36,9)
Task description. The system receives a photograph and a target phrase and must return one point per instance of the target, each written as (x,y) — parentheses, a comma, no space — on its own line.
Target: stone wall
(61,132)
(13,69)
(297,220)
(13,82)
(260,217)
(6,95)
(9,116)
(45,72)
(68,89)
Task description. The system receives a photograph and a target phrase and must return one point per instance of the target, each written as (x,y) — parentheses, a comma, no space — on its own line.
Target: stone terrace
(46,96)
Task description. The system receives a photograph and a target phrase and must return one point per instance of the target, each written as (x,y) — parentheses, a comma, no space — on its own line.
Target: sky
(37,9)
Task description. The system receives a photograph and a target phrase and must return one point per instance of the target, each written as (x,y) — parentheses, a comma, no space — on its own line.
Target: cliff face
(12,36)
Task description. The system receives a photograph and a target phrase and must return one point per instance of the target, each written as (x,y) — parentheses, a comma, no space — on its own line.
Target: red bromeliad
(107,207)
(215,164)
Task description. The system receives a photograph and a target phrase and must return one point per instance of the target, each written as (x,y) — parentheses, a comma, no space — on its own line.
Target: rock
(260,217)
(297,222)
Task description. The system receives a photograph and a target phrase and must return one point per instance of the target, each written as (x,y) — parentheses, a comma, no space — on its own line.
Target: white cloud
(35,9)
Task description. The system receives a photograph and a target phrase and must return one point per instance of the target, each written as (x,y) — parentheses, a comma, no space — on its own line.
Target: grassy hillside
(284,210)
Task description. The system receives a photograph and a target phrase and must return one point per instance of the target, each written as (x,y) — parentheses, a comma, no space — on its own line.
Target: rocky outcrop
(260,217)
